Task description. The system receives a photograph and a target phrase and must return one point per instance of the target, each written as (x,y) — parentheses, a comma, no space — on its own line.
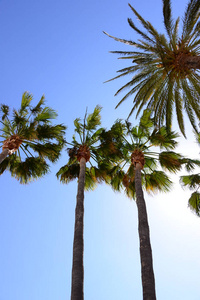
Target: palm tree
(165,68)
(28,139)
(87,149)
(139,170)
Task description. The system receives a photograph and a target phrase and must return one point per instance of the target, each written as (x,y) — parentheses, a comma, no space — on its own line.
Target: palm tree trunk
(3,155)
(77,267)
(148,281)
(191,62)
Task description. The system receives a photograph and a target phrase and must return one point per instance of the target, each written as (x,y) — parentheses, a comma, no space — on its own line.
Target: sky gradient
(57,48)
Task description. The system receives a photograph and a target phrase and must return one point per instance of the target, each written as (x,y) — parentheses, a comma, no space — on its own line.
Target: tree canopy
(164,68)
(30,139)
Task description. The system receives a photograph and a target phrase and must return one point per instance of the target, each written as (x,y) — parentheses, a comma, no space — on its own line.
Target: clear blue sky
(57,48)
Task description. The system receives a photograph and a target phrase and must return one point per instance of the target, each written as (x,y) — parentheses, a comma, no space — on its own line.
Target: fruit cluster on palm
(165,68)
(29,139)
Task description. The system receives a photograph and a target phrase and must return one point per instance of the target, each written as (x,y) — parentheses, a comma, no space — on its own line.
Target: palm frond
(27,134)
(191,181)
(50,151)
(167,13)
(38,108)
(164,139)
(190,164)
(191,17)
(121,40)
(25,103)
(46,115)
(30,169)
(4,110)
(140,32)
(194,203)
(164,70)
(94,119)
(146,122)
(170,161)
(157,181)
(50,132)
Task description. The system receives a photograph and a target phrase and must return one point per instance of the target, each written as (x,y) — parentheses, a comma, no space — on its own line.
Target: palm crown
(139,146)
(165,69)
(29,139)
(88,146)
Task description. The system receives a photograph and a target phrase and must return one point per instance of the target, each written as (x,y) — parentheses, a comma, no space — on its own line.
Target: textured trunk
(191,62)
(77,267)
(3,155)
(148,281)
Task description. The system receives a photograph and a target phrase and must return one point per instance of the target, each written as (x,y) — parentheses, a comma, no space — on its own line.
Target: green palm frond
(167,13)
(94,144)
(117,180)
(50,132)
(38,108)
(51,151)
(30,169)
(164,139)
(68,173)
(197,137)
(93,138)
(78,126)
(111,141)
(25,103)
(190,164)
(46,115)
(4,110)
(151,163)
(38,140)
(93,175)
(87,129)
(146,122)
(191,16)
(144,138)
(170,161)
(191,181)
(164,69)
(7,128)
(157,181)
(94,119)
(194,203)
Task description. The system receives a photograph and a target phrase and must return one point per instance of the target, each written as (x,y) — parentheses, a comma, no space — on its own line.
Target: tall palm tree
(138,170)
(86,149)
(29,139)
(165,68)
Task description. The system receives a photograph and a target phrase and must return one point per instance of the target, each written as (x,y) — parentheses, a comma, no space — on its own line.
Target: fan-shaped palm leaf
(194,203)
(193,183)
(29,138)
